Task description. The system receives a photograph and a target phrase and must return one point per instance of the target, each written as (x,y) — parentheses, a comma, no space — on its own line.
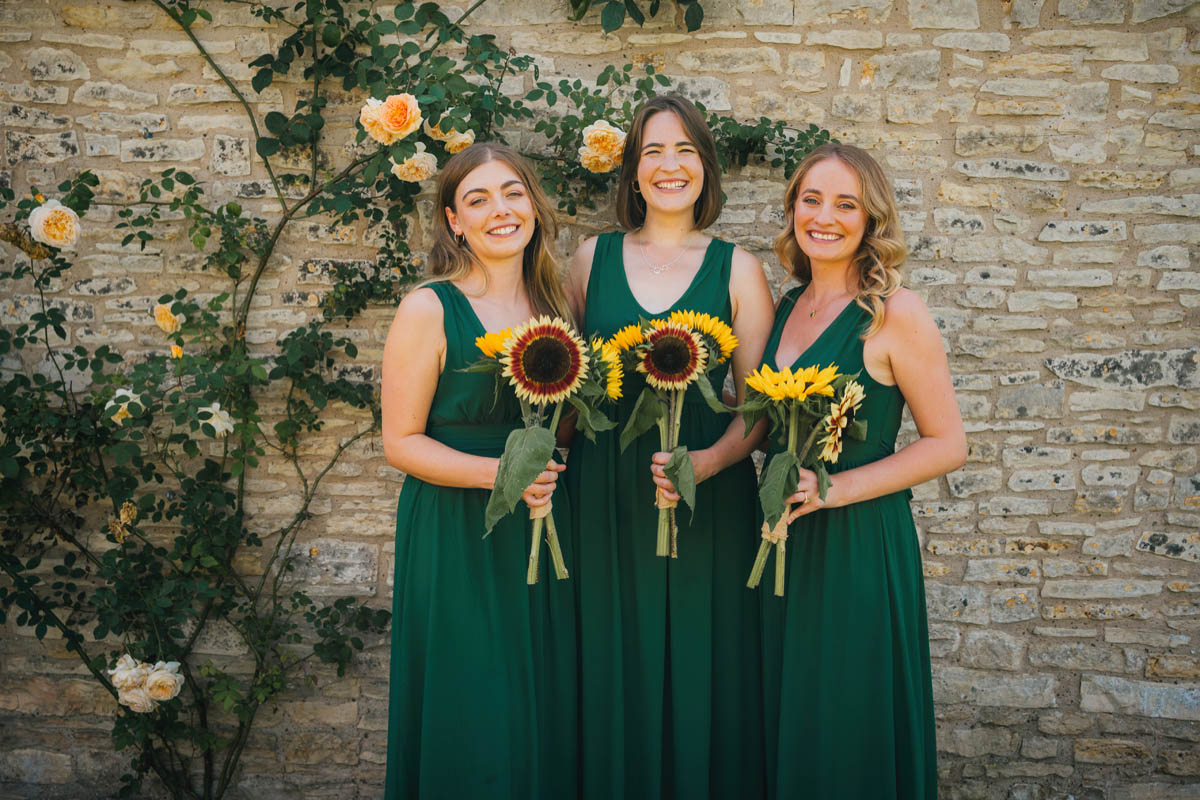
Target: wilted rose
(54,224)
(163,317)
(164,681)
(136,699)
(220,420)
(419,167)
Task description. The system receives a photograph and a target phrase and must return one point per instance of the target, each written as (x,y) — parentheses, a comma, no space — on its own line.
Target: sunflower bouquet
(801,405)
(547,365)
(673,354)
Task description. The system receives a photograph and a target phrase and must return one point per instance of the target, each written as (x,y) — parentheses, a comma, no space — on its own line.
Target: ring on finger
(805,500)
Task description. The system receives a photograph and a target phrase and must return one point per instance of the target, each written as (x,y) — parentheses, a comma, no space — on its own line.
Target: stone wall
(1043,154)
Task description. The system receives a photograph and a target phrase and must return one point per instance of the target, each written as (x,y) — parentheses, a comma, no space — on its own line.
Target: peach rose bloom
(372,122)
(54,224)
(400,115)
(136,699)
(176,351)
(165,319)
(595,161)
(128,674)
(419,167)
(601,137)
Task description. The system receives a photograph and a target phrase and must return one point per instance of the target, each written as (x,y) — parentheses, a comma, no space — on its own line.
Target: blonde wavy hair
(452,259)
(881,254)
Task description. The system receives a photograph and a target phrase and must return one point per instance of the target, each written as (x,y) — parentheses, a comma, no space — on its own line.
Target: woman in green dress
(483,667)
(669,647)
(849,704)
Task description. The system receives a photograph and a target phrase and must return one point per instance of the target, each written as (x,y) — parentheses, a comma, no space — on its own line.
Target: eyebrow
(505,185)
(680,143)
(818,191)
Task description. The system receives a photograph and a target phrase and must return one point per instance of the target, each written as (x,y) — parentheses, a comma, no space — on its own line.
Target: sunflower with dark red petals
(673,358)
(544,361)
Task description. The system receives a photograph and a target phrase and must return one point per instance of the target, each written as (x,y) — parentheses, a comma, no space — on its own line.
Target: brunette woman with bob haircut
(483,668)
(670,680)
(849,701)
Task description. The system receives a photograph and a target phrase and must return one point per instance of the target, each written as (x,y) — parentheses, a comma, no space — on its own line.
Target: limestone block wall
(1044,157)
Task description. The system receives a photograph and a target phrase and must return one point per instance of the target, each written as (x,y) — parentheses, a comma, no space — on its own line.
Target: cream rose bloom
(368,117)
(605,139)
(54,224)
(220,420)
(128,674)
(419,167)
(117,409)
(136,699)
(457,142)
(170,323)
(164,681)
(596,161)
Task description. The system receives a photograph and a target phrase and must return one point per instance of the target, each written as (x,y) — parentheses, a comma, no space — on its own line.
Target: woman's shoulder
(423,303)
(906,318)
(905,303)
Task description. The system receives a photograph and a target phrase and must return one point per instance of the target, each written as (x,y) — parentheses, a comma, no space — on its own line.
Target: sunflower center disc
(546,361)
(671,355)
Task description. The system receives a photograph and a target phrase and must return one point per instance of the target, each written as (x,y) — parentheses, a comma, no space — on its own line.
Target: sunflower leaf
(778,484)
(751,416)
(590,419)
(526,453)
(679,471)
(823,481)
(710,396)
(857,430)
(645,415)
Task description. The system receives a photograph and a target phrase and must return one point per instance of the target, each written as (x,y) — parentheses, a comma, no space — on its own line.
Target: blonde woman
(483,668)
(849,704)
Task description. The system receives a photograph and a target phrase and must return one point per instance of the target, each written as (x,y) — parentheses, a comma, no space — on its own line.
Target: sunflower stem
(560,566)
(531,574)
(760,562)
(554,418)
(780,555)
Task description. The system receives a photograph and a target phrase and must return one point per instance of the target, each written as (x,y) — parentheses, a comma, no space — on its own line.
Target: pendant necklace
(658,269)
(823,306)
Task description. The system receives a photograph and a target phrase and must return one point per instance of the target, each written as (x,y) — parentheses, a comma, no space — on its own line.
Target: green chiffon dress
(848,697)
(669,648)
(483,697)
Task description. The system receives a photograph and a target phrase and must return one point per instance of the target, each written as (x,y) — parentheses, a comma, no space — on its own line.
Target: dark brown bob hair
(631,207)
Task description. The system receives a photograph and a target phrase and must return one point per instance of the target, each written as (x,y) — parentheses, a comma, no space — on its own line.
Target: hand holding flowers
(546,364)
(801,405)
(673,354)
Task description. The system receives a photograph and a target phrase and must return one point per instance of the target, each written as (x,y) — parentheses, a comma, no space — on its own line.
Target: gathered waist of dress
(478,440)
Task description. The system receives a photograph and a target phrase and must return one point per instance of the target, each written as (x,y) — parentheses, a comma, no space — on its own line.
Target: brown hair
(631,207)
(881,254)
(451,260)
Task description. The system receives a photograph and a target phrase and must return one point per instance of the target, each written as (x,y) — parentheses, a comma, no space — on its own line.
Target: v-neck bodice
(841,343)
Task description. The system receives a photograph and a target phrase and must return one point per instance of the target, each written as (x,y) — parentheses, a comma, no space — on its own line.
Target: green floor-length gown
(670,656)
(849,705)
(483,667)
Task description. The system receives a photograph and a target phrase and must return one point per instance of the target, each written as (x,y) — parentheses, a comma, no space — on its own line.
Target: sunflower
(710,326)
(543,360)
(628,337)
(840,415)
(610,354)
(492,344)
(675,357)
(788,385)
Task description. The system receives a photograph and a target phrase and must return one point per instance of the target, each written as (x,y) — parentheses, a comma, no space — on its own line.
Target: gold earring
(636,188)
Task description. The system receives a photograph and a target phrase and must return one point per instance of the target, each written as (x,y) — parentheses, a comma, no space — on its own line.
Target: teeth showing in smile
(503,231)
(824,237)
(671,184)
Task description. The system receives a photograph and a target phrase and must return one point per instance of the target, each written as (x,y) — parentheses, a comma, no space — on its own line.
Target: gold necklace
(826,304)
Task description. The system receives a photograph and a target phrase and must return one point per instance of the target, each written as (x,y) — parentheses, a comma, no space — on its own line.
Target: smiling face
(670,173)
(829,217)
(493,210)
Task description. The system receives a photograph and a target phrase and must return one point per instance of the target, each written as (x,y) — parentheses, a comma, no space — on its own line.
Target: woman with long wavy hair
(483,668)
(848,699)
